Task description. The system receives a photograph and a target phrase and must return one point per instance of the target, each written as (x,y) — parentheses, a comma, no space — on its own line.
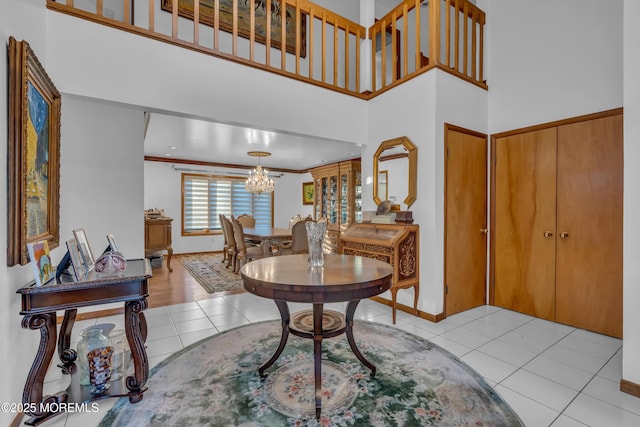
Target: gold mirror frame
(412,155)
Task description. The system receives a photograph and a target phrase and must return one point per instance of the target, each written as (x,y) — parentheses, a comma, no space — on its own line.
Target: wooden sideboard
(396,244)
(157,237)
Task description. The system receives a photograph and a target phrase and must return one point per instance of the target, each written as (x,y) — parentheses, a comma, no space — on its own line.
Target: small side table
(39,306)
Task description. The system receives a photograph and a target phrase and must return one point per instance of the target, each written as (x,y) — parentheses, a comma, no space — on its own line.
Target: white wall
(101,174)
(408,110)
(631,277)
(563,60)
(208,88)
(23,20)
(101,190)
(162,189)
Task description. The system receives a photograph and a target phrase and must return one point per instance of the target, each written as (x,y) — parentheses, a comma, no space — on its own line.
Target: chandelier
(258,181)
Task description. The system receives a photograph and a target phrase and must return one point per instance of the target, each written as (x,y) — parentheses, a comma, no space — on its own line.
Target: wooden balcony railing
(420,35)
(305,41)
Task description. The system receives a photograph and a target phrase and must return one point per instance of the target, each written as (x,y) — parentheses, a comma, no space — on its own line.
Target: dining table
(267,236)
(341,278)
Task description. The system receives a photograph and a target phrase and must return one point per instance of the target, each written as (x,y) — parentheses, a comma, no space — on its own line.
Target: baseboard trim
(630,388)
(421,314)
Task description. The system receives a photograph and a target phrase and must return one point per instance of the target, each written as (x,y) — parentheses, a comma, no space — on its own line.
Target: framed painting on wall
(307,193)
(225,19)
(33,154)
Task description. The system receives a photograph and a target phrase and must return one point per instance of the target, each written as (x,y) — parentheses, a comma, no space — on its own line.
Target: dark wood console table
(288,278)
(39,306)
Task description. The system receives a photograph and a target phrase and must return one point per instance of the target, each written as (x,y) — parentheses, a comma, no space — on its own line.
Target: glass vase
(100,369)
(117,340)
(92,338)
(315,237)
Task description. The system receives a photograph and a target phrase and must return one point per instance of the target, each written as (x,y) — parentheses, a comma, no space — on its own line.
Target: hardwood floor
(167,288)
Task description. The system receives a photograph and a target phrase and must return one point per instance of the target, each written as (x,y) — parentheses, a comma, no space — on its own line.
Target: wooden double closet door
(557,222)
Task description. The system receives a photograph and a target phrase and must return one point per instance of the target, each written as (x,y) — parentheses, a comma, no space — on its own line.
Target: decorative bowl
(110,263)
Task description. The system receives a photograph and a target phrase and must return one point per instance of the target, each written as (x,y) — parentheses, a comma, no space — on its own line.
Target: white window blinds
(204,197)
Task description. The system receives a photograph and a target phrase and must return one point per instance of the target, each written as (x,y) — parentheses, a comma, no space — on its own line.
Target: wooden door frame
(450,127)
(492,179)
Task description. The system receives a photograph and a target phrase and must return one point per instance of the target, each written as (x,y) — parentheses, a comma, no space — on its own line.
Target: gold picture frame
(33,154)
(307,193)
(225,19)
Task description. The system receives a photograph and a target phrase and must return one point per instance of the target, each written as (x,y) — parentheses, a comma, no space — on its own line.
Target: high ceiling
(174,137)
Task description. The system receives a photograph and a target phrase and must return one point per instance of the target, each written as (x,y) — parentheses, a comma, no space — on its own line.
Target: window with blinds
(204,197)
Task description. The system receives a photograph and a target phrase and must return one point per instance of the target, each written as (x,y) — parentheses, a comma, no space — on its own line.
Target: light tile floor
(550,374)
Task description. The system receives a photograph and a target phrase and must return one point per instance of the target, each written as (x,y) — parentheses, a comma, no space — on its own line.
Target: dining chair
(244,252)
(232,251)
(247,220)
(299,242)
(225,248)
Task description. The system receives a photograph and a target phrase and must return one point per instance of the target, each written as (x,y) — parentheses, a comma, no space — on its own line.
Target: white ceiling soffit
(173,137)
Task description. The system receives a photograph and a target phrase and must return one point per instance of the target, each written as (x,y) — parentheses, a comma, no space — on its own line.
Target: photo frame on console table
(33,154)
(225,19)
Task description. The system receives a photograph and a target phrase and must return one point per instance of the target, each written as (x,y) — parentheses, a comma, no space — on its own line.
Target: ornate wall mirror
(383,192)
(399,158)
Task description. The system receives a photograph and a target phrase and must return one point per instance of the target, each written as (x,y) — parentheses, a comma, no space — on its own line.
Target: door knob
(564,235)
(548,234)
(484,230)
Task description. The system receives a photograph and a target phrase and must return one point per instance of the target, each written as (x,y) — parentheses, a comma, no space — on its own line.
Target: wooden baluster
(434,28)
(448,33)
(268,31)
(481,65)
(372,36)
(252,29)
(394,50)
(297,38)
(99,8)
(346,56)
(358,37)
(234,17)
(324,47)
(196,21)
(310,50)
(336,29)
(70,3)
(405,39)
(174,19)
(283,35)
(127,12)
(152,17)
(418,57)
(474,28)
(383,42)
(466,38)
(457,38)
(216,24)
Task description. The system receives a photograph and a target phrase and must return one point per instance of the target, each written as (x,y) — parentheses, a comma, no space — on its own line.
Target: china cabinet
(338,198)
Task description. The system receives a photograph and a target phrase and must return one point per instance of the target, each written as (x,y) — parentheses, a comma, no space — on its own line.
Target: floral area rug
(215,382)
(210,272)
